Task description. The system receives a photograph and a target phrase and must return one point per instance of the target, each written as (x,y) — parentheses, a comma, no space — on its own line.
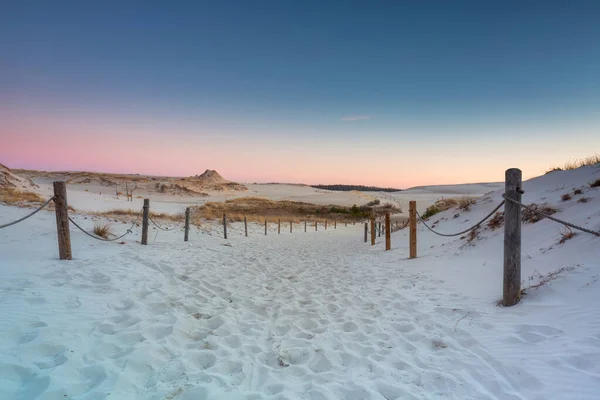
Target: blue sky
(346,76)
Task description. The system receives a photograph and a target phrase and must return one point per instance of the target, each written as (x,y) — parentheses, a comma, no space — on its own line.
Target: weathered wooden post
(366,231)
(412,214)
(145,212)
(315,225)
(61,209)
(304,225)
(245,226)
(265,227)
(335,224)
(325,224)
(279,225)
(187,224)
(373,231)
(291,223)
(512,238)
(388,232)
(345,224)
(224,226)
(379,230)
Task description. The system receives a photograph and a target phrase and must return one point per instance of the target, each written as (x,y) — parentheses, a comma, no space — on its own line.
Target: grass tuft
(594,184)
(496,221)
(566,197)
(102,230)
(577,192)
(566,235)
(583,200)
(532,217)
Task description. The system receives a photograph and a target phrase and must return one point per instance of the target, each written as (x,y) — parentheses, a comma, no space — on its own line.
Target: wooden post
(366,231)
(265,227)
(512,239)
(412,214)
(187,224)
(224,226)
(335,224)
(379,230)
(146,211)
(61,209)
(325,224)
(245,226)
(304,225)
(345,224)
(388,232)
(291,223)
(315,225)
(279,225)
(373,231)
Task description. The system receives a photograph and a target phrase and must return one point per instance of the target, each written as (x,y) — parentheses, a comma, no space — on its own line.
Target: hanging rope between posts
(29,215)
(157,225)
(466,230)
(543,214)
(127,232)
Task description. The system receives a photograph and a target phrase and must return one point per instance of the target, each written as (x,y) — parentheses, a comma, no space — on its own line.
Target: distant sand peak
(211,176)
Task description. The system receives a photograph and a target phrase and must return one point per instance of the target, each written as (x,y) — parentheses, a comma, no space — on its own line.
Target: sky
(390,93)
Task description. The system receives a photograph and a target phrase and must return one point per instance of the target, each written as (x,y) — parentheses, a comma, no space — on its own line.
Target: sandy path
(302,316)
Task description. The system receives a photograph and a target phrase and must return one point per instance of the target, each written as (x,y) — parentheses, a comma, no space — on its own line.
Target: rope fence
(40,208)
(513,206)
(477,225)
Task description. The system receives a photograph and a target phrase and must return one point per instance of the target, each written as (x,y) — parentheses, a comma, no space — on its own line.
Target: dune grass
(13,196)
(257,209)
(571,165)
(464,203)
(102,229)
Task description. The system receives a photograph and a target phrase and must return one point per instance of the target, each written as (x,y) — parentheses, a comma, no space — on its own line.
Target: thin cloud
(356,117)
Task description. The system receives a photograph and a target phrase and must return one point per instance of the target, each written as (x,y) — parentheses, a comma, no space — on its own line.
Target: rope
(128,231)
(29,215)
(157,225)
(466,230)
(543,214)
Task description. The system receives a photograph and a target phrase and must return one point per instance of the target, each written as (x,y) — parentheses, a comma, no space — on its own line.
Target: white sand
(316,315)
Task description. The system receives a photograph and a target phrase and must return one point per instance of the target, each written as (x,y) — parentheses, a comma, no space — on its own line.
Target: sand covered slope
(10,180)
(315,315)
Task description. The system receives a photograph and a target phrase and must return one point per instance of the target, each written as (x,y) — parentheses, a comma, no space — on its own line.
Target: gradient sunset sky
(393,93)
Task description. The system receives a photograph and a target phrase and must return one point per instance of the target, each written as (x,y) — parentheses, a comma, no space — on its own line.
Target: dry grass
(566,235)
(594,184)
(465,203)
(257,209)
(566,197)
(531,216)
(120,212)
(583,200)
(474,234)
(570,165)
(102,230)
(439,206)
(13,196)
(577,192)
(496,221)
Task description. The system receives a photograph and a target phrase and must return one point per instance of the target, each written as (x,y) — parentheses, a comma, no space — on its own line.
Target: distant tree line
(347,188)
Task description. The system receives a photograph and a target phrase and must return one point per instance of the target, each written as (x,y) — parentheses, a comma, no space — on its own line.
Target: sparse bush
(577,191)
(566,197)
(583,200)
(439,206)
(566,235)
(373,203)
(497,220)
(532,216)
(594,184)
(102,230)
(465,203)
